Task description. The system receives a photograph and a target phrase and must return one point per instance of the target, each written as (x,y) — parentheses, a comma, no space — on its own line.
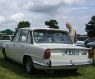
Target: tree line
(90,26)
(26,24)
(50,24)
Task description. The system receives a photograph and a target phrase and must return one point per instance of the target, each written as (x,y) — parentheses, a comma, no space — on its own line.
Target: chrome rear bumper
(59,67)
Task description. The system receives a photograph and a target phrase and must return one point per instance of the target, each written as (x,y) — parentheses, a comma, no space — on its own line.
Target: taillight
(91,53)
(47,54)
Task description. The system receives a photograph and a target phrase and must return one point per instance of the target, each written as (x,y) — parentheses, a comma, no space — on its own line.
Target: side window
(30,38)
(16,36)
(23,36)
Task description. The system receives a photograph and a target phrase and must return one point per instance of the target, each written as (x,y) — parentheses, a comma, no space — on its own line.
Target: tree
(7,31)
(90,27)
(52,24)
(23,24)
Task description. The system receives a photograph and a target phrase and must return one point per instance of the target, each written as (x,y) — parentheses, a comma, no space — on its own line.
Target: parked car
(80,43)
(46,49)
(81,40)
(89,40)
(4,39)
(91,44)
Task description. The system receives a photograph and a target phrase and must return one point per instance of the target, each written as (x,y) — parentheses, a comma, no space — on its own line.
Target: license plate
(71,52)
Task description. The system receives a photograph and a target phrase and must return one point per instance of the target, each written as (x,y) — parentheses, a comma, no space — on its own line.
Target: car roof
(32,29)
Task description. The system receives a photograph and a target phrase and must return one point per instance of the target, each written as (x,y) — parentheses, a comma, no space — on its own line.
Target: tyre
(4,54)
(29,65)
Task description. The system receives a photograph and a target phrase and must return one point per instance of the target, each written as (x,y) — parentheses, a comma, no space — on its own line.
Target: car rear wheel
(29,65)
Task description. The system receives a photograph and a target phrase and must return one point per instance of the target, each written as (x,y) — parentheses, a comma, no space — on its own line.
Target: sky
(78,12)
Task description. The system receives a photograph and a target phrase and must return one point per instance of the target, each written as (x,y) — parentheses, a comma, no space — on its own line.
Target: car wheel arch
(25,57)
(32,68)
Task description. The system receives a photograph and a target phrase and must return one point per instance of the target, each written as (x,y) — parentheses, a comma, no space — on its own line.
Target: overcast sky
(37,12)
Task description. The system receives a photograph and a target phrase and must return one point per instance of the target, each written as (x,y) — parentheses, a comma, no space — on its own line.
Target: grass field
(12,70)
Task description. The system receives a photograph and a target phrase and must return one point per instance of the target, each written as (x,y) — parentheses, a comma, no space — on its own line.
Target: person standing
(72,32)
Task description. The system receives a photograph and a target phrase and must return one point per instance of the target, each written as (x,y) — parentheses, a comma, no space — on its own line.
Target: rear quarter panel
(35,52)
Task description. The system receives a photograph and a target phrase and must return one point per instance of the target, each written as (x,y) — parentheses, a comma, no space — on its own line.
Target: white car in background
(80,43)
(46,49)
(4,39)
(91,44)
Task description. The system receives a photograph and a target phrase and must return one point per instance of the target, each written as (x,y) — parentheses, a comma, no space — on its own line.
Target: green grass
(12,70)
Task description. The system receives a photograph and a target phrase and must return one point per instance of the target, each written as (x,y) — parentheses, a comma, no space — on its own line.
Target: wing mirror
(24,39)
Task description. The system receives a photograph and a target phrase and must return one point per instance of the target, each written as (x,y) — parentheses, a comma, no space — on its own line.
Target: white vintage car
(46,49)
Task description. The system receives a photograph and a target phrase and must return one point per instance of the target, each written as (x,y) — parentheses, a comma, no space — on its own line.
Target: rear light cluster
(91,53)
(47,54)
